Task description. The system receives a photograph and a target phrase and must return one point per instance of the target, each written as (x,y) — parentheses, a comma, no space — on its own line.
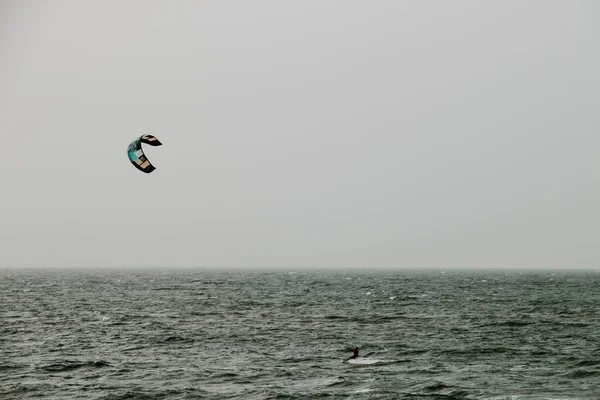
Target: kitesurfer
(354,354)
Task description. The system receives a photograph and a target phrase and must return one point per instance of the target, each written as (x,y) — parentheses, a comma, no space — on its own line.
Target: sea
(284,334)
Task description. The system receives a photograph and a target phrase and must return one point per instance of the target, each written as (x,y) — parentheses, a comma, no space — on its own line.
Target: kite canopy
(137,156)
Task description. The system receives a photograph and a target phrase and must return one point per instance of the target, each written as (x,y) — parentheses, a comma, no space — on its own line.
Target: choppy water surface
(281,335)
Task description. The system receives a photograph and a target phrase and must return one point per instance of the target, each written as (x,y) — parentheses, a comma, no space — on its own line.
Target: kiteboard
(363,361)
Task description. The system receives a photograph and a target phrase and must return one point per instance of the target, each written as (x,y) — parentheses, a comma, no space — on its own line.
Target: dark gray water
(260,335)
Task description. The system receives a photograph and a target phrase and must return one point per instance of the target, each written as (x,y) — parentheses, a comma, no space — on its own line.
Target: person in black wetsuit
(354,354)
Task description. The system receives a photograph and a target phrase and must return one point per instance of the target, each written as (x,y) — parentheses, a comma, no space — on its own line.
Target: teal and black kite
(137,156)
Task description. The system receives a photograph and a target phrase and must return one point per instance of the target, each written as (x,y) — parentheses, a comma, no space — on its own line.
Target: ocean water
(185,334)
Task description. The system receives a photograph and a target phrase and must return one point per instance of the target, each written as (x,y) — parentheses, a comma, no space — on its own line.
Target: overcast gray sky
(312,133)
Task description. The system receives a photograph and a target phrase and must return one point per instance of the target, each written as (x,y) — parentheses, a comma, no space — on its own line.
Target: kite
(137,156)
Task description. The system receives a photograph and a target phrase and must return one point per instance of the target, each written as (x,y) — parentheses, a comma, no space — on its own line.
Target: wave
(70,366)
(20,389)
(581,373)
(510,323)
(141,394)
(226,374)
(175,339)
(8,367)
(587,363)
(451,394)
(480,350)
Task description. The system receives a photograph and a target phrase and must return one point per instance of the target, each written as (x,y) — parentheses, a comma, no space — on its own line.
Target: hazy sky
(310,133)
